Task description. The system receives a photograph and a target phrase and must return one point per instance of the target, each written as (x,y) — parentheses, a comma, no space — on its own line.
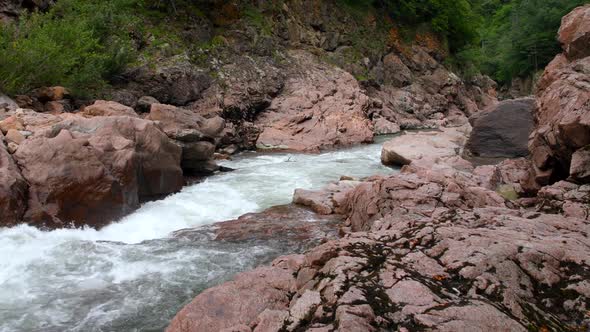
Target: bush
(77,44)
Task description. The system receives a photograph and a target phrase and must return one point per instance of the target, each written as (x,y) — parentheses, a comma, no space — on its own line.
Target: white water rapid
(133,275)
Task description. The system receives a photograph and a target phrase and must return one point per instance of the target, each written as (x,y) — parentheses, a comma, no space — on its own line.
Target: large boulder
(574,33)
(563,114)
(93,171)
(425,147)
(13,189)
(319,108)
(195,134)
(502,130)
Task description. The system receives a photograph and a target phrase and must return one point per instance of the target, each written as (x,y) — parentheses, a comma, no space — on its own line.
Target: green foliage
(77,44)
(518,37)
(258,20)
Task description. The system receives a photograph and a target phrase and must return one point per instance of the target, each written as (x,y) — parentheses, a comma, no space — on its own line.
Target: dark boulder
(502,130)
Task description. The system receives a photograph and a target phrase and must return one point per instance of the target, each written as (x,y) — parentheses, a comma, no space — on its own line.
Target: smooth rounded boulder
(502,130)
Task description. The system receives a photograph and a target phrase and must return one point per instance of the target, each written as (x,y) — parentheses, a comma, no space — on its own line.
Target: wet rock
(93,171)
(502,130)
(13,189)
(327,200)
(108,108)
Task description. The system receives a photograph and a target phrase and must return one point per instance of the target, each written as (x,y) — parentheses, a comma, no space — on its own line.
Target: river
(133,275)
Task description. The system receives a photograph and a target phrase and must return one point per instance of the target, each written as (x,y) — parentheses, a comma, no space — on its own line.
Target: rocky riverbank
(70,162)
(442,245)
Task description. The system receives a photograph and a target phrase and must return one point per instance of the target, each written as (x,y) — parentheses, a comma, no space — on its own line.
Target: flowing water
(134,275)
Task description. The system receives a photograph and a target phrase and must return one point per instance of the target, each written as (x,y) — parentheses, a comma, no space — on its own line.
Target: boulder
(424,147)
(395,72)
(321,108)
(108,108)
(562,113)
(93,171)
(580,165)
(12,122)
(13,189)
(574,33)
(144,104)
(185,125)
(54,93)
(14,136)
(502,130)
(382,126)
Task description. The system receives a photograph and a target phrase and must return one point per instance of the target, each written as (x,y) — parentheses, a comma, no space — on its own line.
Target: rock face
(502,130)
(94,171)
(424,249)
(13,189)
(319,108)
(563,111)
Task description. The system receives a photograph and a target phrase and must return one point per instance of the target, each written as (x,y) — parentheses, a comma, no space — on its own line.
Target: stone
(180,124)
(424,147)
(13,189)
(12,122)
(144,104)
(574,33)
(382,126)
(580,165)
(396,73)
(502,130)
(54,93)
(14,136)
(94,171)
(108,108)
(7,103)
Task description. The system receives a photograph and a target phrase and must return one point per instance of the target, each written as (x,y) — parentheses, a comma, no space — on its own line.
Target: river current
(133,275)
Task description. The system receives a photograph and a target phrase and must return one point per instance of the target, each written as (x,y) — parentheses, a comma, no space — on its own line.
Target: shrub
(77,44)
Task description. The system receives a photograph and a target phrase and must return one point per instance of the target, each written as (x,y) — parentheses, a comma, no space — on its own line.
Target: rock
(574,33)
(12,122)
(562,115)
(395,71)
(428,249)
(580,165)
(14,136)
(7,103)
(424,147)
(326,200)
(144,104)
(320,109)
(502,130)
(96,170)
(108,108)
(13,189)
(54,93)
(263,289)
(381,126)
(173,81)
(180,124)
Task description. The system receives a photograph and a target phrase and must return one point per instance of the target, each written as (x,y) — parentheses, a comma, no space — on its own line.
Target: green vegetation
(518,37)
(78,44)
